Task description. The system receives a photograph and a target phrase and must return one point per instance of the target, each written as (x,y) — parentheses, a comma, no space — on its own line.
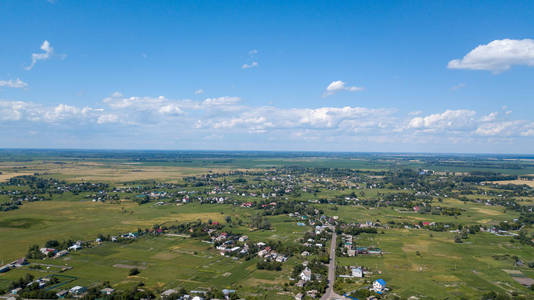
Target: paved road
(330,294)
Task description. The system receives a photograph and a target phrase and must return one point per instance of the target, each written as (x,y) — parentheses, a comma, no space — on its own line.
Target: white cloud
(199,91)
(170,109)
(490,117)
(17,83)
(48,51)
(338,85)
(506,128)
(232,120)
(107,118)
(450,119)
(497,56)
(33,112)
(254,64)
(253,52)
(209,102)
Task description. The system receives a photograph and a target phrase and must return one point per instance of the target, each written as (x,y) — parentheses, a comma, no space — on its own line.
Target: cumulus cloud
(33,112)
(220,101)
(490,117)
(17,83)
(338,85)
(253,64)
(230,117)
(48,51)
(506,128)
(199,91)
(497,56)
(450,119)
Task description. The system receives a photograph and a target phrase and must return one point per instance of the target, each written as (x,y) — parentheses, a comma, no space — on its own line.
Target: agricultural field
(445,227)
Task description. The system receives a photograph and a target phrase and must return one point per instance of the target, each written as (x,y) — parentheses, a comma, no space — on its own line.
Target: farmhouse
(47,251)
(77,290)
(5,268)
(379,286)
(61,253)
(306,274)
(62,293)
(357,272)
(168,292)
(75,247)
(107,291)
(21,262)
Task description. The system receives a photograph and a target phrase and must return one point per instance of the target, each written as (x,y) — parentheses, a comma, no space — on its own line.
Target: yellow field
(95,171)
(517,181)
(5,176)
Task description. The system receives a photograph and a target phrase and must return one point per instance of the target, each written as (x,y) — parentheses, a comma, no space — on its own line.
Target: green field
(416,262)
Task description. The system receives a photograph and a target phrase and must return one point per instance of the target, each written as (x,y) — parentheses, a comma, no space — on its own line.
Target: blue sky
(415,76)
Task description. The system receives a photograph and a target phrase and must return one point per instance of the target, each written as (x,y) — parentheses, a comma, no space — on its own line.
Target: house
(312,293)
(77,290)
(62,293)
(168,293)
(47,251)
(351,252)
(107,291)
(262,253)
(298,296)
(379,286)
(357,272)
(243,238)
(281,258)
(21,262)
(306,274)
(305,253)
(75,247)
(5,268)
(61,253)
(41,283)
(227,292)
(15,291)
(375,251)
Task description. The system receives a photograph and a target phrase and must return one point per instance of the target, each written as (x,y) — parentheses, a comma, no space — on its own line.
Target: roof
(381,281)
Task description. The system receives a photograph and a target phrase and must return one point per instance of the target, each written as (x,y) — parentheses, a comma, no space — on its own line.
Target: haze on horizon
(315,76)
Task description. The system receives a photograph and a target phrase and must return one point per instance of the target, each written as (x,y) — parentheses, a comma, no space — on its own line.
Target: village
(248,215)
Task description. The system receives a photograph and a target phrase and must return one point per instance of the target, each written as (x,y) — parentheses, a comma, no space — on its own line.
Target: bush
(134,271)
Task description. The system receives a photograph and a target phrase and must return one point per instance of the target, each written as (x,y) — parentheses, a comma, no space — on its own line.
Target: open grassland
(164,262)
(474,213)
(37,222)
(443,269)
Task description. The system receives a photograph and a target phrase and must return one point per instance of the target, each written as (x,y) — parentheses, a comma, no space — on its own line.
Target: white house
(77,290)
(75,247)
(357,272)
(306,274)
